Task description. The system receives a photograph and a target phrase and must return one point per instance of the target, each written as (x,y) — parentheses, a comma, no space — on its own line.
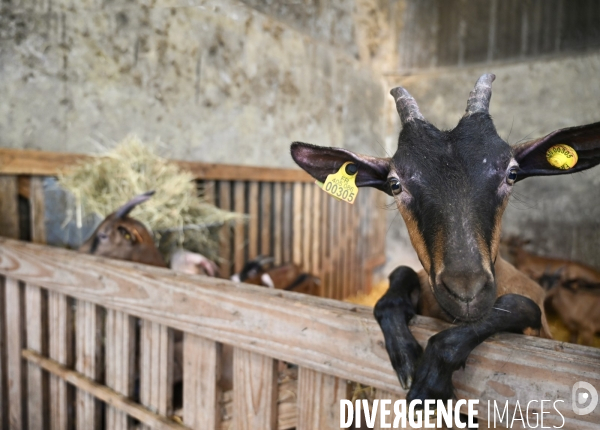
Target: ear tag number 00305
(342,184)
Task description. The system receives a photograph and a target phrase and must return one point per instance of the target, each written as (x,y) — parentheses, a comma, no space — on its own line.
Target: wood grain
(86,356)
(120,356)
(319,398)
(101,392)
(254,391)
(9,209)
(14,343)
(239,237)
(59,349)
(253,223)
(37,210)
(35,389)
(43,163)
(225,233)
(156,367)
(201,373)
(299,328)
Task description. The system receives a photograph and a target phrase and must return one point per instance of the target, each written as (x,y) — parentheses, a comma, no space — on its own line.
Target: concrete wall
(530,99)
(213,80)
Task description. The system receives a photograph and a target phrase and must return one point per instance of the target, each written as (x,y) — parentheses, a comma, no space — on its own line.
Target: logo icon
(584,398)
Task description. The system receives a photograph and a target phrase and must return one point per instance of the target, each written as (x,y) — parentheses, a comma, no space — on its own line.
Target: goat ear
(585,140)
(320,161)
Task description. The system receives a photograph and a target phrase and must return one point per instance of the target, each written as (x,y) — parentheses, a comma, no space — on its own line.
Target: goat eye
(395,186)
(512,176)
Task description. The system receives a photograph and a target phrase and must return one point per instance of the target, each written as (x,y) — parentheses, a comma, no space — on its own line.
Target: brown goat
(285,277)
(535,266)
(579,309)
(124,238)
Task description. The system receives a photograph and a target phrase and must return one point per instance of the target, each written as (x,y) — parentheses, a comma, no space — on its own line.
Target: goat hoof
(404,361)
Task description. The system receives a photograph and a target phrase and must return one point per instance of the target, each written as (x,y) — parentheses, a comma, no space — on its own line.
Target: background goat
(451,188)
(287,276)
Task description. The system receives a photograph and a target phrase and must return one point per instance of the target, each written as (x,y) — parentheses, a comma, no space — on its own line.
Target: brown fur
(579,310)
(123,238)
(536,266)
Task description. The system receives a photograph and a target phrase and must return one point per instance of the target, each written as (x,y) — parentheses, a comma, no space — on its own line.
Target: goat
(285,277)
(579,309)
(451,188)
(184,261)
(536,266)
(124,238)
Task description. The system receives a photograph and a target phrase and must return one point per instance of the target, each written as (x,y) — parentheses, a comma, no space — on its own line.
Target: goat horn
(406,105)
(128,207)
(479,98)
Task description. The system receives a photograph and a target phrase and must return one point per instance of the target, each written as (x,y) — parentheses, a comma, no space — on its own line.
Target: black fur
(393,312)
(448,350)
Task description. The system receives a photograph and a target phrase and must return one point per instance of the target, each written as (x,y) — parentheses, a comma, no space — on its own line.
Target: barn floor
(559,331)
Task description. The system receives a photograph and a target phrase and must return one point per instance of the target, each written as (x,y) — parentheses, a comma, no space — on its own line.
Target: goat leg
(448,350)
(393,311)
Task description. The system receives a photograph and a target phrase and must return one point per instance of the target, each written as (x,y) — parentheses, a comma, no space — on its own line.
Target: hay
(177,213)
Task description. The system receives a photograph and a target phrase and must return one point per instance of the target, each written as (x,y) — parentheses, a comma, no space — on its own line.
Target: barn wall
(215,81)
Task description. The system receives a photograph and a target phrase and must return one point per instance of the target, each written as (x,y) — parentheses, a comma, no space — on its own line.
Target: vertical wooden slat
(319,398)
(317,229)
(254,391)
(288,217)
(239,238)
(331,261)
(87,349)
(201,373)
(209,191)
(225,233)
(156,368)
(9,207)
(297,224)
(120,356)
(253,205)
(278,223)
(307,218)
(59,344)
(14,343)
(4,398)
(324,247)
(266,231)
(38,209)
(35,389)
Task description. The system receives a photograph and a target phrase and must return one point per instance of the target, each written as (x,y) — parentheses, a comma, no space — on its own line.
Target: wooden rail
(329,340)
(44,163)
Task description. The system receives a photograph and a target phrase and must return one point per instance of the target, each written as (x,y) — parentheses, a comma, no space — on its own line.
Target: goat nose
(464,286)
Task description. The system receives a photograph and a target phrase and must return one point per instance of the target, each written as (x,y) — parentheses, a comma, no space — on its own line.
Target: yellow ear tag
(341,184)
(562,156)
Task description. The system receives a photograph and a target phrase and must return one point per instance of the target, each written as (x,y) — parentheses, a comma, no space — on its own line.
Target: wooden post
(37,209)
(319,398)
(278,224)
(35,382)
(14,344)
(156,368)
(253,205)
(201,373)
(239,237)
(254,391)
(87,348)
(297,227)
(225,233)
(9,207)
(120,355)
(266,231)
(60,328)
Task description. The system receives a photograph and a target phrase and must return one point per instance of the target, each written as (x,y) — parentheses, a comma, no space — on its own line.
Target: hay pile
(177,213)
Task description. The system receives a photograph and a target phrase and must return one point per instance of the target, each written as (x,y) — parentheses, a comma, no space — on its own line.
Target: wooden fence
(289,217)
(72,364)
